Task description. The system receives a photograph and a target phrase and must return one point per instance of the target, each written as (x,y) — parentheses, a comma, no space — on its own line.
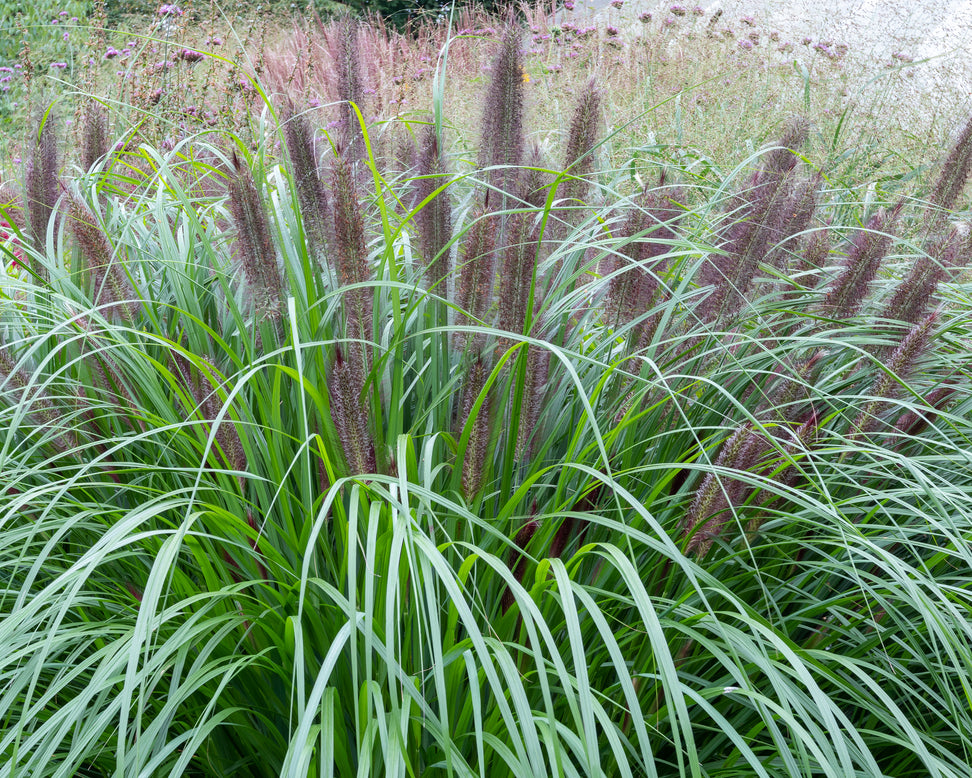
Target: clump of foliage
(320,462)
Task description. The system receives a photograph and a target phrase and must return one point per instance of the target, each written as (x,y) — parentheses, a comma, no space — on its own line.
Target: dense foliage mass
(325,455)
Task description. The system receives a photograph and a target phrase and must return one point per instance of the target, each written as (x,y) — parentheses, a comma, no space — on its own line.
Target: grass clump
(318,461)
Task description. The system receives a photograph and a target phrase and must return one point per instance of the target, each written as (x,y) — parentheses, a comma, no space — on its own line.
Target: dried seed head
(257,255)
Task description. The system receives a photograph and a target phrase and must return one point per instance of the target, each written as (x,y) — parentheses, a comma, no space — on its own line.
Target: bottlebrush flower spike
(955,170)
(350,416)
(41,189)
(209,405)
(914,422)
(502,139)
(718,495)
(899,365)
(534,388)
(94,135)
(517,560)
(581,139)
(434,220)
(347,68)
(869,247)
(113,288)
(350,250)
(311,194)
(913,294)
(474,464)
(257,255)
(474,284)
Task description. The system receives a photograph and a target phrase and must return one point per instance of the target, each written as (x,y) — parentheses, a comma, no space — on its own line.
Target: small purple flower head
(644,17)
(569,5)
(59,65)
(67,36)
(678,10)
(169,10)
(617,3)
(668,22)
(746,44)
(189,55)
(748,21)
(63,13)
(111,52)
(806,41)
(611,31)
(698,10)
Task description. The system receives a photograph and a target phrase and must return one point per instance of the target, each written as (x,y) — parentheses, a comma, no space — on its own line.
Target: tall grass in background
(320,460)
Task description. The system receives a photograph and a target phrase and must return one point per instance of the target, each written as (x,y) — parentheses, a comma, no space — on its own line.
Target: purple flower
(569,5)
(748,21)
(112,52)
(59,65)
(806,41)
(67,36)
(214,41)
(190,56)
(611,31)
(644,17)
(745,44)
(617,3)
(669,22)
(678,10)
(169,10)
(698,11)
(63,13)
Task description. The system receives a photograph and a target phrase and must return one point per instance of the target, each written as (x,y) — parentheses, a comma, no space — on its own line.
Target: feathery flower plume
(868,248)
(517,560)
(350,416)
(94,135)
(257,254)
(816,251)
(581,139)
(311,194)
(474,283)
(717,495)
(434,220)
(41,183)
(533,180)
(502,140)
(899,365)
(955,171)
(913,294)
(475,463)
(112,285)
